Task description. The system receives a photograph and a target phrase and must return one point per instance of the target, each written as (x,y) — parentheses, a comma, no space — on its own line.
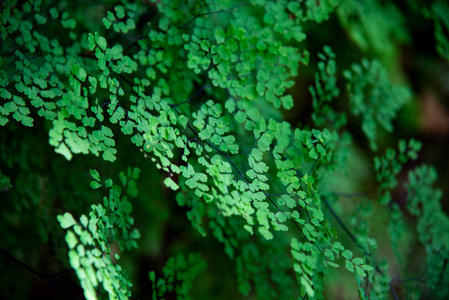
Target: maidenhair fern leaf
(89,239)
(200,88)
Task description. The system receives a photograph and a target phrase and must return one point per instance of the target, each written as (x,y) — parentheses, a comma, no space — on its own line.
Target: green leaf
(64,150)
(108,183)
(117,51)
(240,116)
(95,185)
(109,154)
(357,261)
(313,153)
(11,106)
(337,247)
(71,239)
(281,217)
(220,35)
(329,254)
(347,254)
(287,101)
(5,94)
(265,233)
(79,72)
(360,271)
(349,266)
(260,167)
(66,220)
(101,42)
(171,184)
(107,23)
(249,229)
(95,175)
(83,220)
(152,276)
(91,41)
(367,268)
(53,12)
(132,188)
(224,52)
(119,11)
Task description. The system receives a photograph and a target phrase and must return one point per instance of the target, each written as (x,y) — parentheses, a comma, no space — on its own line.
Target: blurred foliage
(256,149)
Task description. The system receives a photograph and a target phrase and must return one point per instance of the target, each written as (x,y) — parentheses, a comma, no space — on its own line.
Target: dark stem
(46,278)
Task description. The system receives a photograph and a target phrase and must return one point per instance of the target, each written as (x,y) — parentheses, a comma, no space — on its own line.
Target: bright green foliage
(199,87)
(91,239)
(306,268)
(310,265)
(179,273)
(122,18)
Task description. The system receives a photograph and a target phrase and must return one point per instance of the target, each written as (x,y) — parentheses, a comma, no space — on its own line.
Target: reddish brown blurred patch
(434,118)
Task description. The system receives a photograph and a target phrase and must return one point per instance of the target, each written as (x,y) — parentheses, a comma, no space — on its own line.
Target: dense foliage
(271,125)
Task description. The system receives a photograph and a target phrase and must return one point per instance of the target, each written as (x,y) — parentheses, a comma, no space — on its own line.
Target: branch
(46,278)
(211,12)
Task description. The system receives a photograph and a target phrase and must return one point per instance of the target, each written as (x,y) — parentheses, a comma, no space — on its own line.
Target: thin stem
(46,278)
(212,12)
